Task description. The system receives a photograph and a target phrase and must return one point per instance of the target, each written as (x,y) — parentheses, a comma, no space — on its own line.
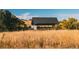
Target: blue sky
(59,13)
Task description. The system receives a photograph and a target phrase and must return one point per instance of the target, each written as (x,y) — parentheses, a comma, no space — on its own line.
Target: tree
(9,22)
(2,18)
(70,23)
(63,24)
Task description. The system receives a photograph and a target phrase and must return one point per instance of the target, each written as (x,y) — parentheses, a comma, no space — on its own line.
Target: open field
(40,39)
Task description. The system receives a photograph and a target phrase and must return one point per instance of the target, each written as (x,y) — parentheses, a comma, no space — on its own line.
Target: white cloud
(25,16)
(28,16)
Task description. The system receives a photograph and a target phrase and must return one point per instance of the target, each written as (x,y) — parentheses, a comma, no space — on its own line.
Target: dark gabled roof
(44,20)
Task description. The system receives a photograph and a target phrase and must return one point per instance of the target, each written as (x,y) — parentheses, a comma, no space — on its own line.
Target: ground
(40,39)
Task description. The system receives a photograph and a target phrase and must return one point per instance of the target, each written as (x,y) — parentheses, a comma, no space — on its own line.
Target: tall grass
(40,39)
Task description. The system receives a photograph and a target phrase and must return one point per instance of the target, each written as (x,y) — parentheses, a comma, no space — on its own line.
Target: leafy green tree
(2,18)
(9,22)
(63,24)
(70,23)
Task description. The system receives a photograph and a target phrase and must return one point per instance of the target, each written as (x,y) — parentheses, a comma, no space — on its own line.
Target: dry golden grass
(40,39)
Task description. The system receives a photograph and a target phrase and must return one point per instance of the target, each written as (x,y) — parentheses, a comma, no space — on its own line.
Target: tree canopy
(9,22)
(70,23)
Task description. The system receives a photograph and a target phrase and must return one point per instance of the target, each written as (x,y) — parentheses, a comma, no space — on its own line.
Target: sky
(59,13)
